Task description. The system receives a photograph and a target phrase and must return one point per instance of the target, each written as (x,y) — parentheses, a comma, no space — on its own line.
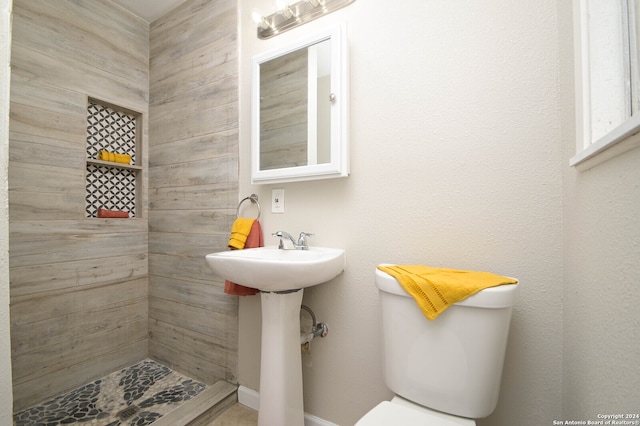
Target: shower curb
(202,408)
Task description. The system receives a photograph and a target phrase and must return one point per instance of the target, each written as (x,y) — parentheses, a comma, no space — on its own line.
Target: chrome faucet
(301,244)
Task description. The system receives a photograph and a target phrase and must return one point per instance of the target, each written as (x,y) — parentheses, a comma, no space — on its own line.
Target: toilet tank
(453,363)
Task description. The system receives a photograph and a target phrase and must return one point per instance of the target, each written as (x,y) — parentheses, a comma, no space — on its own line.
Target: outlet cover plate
(277,201)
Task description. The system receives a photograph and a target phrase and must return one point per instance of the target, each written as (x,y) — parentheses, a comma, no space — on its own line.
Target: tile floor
(136,395)
(237,415)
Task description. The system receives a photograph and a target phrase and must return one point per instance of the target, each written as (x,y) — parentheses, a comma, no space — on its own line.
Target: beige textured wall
(601,370)
(455,162)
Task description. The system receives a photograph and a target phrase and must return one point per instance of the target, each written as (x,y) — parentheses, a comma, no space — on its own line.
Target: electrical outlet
(277,201)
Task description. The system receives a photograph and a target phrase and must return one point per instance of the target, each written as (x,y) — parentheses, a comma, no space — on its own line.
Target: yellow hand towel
(435,289)
(239,232)
(113,157)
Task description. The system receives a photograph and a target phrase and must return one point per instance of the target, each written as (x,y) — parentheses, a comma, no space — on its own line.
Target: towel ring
(254,199)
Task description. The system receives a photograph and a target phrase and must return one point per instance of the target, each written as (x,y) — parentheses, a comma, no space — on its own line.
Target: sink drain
(128,412)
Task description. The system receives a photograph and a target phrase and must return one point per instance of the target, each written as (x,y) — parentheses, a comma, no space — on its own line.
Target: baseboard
(251,399)
(248,397)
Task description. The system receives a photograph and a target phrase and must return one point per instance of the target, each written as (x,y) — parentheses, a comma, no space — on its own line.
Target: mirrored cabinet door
(299,110)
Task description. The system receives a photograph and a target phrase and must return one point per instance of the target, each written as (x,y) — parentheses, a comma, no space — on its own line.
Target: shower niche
(113,173)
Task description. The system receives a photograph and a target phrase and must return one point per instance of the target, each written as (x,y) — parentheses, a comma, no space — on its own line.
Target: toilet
(444,372)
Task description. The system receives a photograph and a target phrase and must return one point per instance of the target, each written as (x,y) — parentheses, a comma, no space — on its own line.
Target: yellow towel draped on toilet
(435,289)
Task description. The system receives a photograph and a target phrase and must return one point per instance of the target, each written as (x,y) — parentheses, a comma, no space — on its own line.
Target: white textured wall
(455,162)
(602,266)
(602,294)
(6,401)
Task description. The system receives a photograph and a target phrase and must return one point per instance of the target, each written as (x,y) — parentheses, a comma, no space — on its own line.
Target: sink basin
(273,269)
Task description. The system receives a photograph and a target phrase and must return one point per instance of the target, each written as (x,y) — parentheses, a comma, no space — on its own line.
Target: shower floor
(136,395)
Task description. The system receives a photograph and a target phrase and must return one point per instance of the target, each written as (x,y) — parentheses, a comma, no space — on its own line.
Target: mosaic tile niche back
(111,188)
(137,395)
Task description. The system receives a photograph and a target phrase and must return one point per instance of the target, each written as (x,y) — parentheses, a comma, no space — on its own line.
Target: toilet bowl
(400,412)
(444,372)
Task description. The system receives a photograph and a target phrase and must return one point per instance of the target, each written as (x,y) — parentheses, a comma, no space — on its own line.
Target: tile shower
(92,296)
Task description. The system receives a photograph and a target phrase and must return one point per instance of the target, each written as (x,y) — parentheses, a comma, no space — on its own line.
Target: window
(607,78)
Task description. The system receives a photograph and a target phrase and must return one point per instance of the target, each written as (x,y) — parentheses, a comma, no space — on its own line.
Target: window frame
(627,135)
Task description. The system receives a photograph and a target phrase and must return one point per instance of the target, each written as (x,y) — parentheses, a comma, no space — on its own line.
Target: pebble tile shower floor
(136,395)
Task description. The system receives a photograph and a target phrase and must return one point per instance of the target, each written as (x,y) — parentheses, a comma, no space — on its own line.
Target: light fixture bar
(297,14)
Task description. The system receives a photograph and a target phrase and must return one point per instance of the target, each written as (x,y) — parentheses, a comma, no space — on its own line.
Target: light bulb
(283,8)
(287,12)
(256,16)
(259,20)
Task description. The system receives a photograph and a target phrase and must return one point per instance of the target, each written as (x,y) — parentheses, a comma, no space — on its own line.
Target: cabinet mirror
(299,110)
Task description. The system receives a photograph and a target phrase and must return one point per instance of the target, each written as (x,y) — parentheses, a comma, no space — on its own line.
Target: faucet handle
(302,240)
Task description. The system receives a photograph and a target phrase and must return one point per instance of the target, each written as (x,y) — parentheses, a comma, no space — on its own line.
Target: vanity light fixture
(292,15)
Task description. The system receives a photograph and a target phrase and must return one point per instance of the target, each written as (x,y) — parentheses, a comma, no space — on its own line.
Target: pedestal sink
(281,276)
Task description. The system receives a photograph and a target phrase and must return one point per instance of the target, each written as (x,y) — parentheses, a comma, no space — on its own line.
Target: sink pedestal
(281,275)
(281,400)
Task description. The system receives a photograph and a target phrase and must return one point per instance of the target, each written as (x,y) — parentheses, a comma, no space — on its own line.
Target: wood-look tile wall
(284,110)
(193,186)
(79,286)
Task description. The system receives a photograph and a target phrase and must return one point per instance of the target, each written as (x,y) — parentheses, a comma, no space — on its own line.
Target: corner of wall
(6,400)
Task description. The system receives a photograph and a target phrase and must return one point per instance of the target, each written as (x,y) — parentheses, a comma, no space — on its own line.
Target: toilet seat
(390,413)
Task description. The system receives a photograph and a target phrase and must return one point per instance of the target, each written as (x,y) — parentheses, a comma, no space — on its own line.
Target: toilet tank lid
(503,296)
